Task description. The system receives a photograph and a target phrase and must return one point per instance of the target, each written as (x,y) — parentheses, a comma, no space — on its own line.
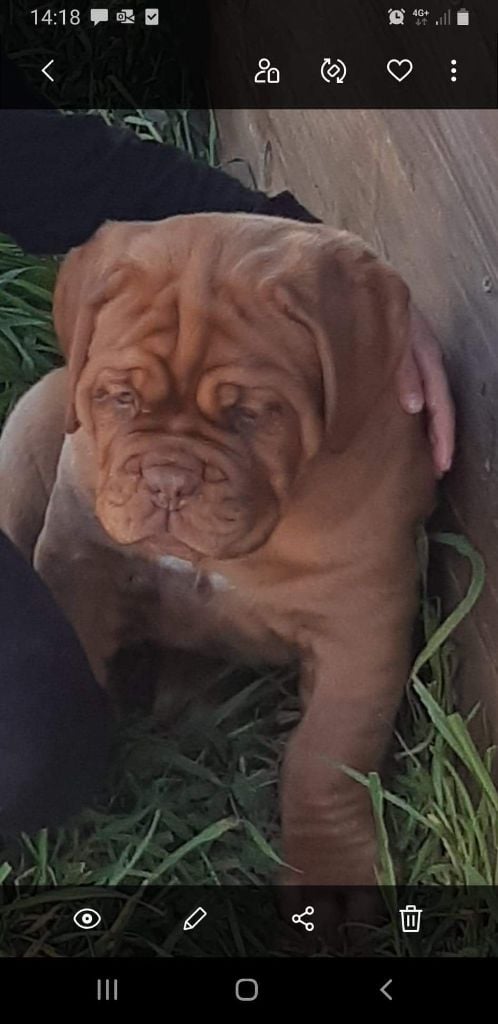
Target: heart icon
(400,69)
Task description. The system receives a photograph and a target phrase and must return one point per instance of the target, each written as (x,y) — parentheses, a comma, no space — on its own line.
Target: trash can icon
(411,918)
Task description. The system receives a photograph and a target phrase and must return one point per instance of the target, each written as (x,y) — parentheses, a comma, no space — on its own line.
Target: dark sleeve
(62,176)
(55,725)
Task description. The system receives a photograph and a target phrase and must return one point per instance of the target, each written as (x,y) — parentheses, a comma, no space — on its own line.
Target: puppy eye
(121,397)
(241,417)
(124,398)
(275,409)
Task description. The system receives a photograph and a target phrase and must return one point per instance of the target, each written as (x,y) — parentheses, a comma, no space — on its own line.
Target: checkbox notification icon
(152,16)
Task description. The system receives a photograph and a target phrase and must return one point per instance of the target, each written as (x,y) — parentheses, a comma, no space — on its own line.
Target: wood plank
(422,187)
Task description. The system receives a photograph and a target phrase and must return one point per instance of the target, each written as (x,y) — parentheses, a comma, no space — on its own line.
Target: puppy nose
(170,483)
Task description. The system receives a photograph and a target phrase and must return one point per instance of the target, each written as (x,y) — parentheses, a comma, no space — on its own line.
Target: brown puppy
(238,477)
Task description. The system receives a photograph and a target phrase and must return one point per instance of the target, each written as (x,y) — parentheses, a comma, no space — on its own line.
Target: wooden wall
(422,187)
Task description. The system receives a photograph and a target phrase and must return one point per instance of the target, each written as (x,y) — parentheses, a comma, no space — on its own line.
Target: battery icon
(463,16)
(194,919)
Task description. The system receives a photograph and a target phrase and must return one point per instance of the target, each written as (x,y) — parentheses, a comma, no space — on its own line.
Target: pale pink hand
(422,382)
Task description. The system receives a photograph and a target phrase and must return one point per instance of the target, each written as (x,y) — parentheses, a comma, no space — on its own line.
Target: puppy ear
(357,310)
(89,277)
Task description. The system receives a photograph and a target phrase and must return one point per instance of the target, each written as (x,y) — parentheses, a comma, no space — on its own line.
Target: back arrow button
(45,70)
(385,988)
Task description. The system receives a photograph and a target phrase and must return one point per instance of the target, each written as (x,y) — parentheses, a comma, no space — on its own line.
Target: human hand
(422,383)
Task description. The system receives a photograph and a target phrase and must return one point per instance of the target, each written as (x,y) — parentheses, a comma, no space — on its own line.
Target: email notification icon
(126,16)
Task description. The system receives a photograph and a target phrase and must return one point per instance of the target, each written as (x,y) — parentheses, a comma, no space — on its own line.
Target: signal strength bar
(445,19)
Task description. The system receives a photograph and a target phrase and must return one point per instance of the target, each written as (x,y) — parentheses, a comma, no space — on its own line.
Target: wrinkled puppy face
(203,400)
(204,358)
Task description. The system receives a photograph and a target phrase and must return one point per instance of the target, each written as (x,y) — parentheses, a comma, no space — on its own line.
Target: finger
(410,385)
(436,456)
(442,435)
(441,411)
(440,407)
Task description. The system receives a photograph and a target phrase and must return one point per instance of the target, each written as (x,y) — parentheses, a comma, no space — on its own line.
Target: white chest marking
(181,565)
(176,564)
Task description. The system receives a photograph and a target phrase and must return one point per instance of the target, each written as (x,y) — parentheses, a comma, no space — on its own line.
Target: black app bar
(260,54)
(325,987)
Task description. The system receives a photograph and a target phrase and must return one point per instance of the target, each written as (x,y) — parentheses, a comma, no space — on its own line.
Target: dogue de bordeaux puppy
(237,476)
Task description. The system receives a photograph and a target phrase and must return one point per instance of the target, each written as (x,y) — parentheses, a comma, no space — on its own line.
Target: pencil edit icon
(194,919)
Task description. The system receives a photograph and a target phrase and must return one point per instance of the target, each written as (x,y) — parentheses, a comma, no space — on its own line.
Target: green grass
(27,344)
(199,806)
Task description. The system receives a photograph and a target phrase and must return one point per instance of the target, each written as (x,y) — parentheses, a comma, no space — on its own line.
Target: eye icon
(87,918)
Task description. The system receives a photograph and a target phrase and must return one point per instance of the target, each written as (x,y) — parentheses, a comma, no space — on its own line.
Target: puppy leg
(30,446)
(352,686)
(83,578)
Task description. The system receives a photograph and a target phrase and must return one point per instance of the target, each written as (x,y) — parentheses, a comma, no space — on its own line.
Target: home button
(246,990)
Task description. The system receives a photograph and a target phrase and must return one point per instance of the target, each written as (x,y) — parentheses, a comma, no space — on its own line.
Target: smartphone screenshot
(248,507)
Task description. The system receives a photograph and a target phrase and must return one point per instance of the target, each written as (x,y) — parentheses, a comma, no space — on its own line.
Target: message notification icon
(99,14)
